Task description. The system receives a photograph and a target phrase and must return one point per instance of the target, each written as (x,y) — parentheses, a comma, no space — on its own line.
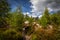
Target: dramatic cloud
(54,4)
(39,5)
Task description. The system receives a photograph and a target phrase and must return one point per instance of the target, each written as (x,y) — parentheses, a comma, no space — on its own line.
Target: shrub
(11,34)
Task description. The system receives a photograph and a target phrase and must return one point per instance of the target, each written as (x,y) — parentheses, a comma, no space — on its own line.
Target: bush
(11,34)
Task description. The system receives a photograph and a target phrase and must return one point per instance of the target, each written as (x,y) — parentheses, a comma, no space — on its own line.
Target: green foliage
(11,34)
(45,19)
(16,20)
(11,24)
(19,19)
(34,37)
(55,19)
(30,19)
(4,8)
(13,20)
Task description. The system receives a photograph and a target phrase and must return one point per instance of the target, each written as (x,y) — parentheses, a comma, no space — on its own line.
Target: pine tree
(47,15)
(45,19)
(4,8)
(19,18)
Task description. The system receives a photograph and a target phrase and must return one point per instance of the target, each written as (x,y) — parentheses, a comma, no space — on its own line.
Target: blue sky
(25,4)
(35,7)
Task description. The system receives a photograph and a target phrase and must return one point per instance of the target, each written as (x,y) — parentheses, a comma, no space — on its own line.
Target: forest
(17,26)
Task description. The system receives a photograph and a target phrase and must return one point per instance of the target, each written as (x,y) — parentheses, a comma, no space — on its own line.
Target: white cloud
(50,10)
(26,13)
(33,15)
(39,5)
(40,16)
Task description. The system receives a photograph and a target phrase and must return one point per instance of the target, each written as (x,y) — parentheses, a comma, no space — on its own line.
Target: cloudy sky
(35,7)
